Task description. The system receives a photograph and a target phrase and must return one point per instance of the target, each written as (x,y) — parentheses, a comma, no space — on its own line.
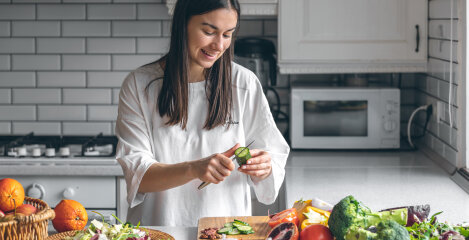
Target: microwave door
(343,119)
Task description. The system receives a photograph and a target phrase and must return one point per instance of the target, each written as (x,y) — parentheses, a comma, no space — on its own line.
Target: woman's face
(209,35)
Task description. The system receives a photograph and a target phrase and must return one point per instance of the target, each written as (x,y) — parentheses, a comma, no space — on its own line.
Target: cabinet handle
(417,38)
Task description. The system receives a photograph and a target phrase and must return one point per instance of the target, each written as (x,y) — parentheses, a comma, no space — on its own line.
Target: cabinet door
(331,31)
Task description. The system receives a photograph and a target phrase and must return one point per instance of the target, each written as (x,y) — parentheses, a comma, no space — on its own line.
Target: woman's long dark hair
(173,97)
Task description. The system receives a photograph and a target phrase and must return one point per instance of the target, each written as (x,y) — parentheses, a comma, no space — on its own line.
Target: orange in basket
(11,194)
(69,215)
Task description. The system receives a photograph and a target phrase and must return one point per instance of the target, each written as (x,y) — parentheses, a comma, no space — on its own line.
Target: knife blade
(204,184)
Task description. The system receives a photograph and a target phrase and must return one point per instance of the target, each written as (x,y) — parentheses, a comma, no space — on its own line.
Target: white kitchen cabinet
(344,36)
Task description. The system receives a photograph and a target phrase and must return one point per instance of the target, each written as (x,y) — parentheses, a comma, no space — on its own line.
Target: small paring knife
(204,184)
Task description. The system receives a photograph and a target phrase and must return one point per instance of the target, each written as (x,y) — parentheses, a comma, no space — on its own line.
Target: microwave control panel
(391,118)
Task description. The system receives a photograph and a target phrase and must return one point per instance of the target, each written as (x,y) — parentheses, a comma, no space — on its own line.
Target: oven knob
(69,193)
(389,126)
(36,191)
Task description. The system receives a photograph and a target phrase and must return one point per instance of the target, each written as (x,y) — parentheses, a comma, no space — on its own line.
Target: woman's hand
(259,166)
(215,168)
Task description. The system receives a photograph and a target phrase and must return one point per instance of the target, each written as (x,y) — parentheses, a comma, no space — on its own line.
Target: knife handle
(202,185)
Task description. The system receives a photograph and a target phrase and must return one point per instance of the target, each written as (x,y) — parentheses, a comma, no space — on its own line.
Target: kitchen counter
(379,179)
(60,167)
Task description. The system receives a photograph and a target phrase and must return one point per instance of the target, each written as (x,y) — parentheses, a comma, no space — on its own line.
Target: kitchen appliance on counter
(344,118)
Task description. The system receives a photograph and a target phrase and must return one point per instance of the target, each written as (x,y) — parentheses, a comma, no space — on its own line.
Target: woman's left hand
(259,166)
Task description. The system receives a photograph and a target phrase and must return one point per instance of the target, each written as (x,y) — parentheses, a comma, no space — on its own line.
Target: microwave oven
(344,118)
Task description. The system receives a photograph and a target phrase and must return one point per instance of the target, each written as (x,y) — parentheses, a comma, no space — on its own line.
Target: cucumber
(242,155)
(238,225)
(228,225)
(241,222)
(225,230)
(245,229)
(234,231)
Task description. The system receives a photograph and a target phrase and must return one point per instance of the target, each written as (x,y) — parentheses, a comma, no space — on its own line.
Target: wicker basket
(154,234)
(33,227)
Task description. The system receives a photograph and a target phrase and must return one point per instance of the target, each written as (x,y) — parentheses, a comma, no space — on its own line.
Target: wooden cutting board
(258,224)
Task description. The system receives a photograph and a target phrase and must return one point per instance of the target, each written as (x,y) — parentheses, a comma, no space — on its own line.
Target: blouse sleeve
(134,150)
(260,126)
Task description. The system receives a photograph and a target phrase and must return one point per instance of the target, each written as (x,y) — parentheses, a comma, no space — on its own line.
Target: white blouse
(144,139)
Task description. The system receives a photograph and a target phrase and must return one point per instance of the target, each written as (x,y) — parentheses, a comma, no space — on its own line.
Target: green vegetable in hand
(242,155)
(351,215)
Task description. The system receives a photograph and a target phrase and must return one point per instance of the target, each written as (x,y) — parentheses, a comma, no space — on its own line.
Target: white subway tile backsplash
(451,155)
(61,45)
(270,27)
(16,45)
(35,28)
(39,128)
(443,92)
(106,79)
(5,128)
(86,29)
(17,79)
(153,11)
(5,96)
(86,1)
(442,9)
(87,96)
(110,45)
(61,11)
(102,113)
(153,45)
(139,1)
(438,146)
(86,128)
(4,62)
(136,28)
(4,29)
(166,28)
(432,86)
(407,96)
(454,138)
(14,113)
(62,113)
(36,62)
(36,95)
(115,95)
(16,12)
(35,1)
(131,62)
(442,29)
(444,132)
(441,69)
(114,11)
(86,62)
(441,49)
(250,28)
(61,79)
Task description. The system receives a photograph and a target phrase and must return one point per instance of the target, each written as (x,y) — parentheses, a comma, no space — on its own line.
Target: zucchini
(242,155)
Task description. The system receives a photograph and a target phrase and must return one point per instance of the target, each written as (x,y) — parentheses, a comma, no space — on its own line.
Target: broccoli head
(386,230)
(349,212)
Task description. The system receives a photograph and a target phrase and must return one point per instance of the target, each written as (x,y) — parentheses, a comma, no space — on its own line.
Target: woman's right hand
(215,168)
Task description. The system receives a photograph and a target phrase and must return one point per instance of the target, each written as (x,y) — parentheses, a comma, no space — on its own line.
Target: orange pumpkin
(11,194)
(69,215)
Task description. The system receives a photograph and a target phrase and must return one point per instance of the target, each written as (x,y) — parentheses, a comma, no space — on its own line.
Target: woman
(182,117)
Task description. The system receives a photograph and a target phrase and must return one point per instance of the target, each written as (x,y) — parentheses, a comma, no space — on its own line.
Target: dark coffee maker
(258,55)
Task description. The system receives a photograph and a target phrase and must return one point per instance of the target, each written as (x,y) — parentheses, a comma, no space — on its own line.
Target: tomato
(316,232)
(289,215)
